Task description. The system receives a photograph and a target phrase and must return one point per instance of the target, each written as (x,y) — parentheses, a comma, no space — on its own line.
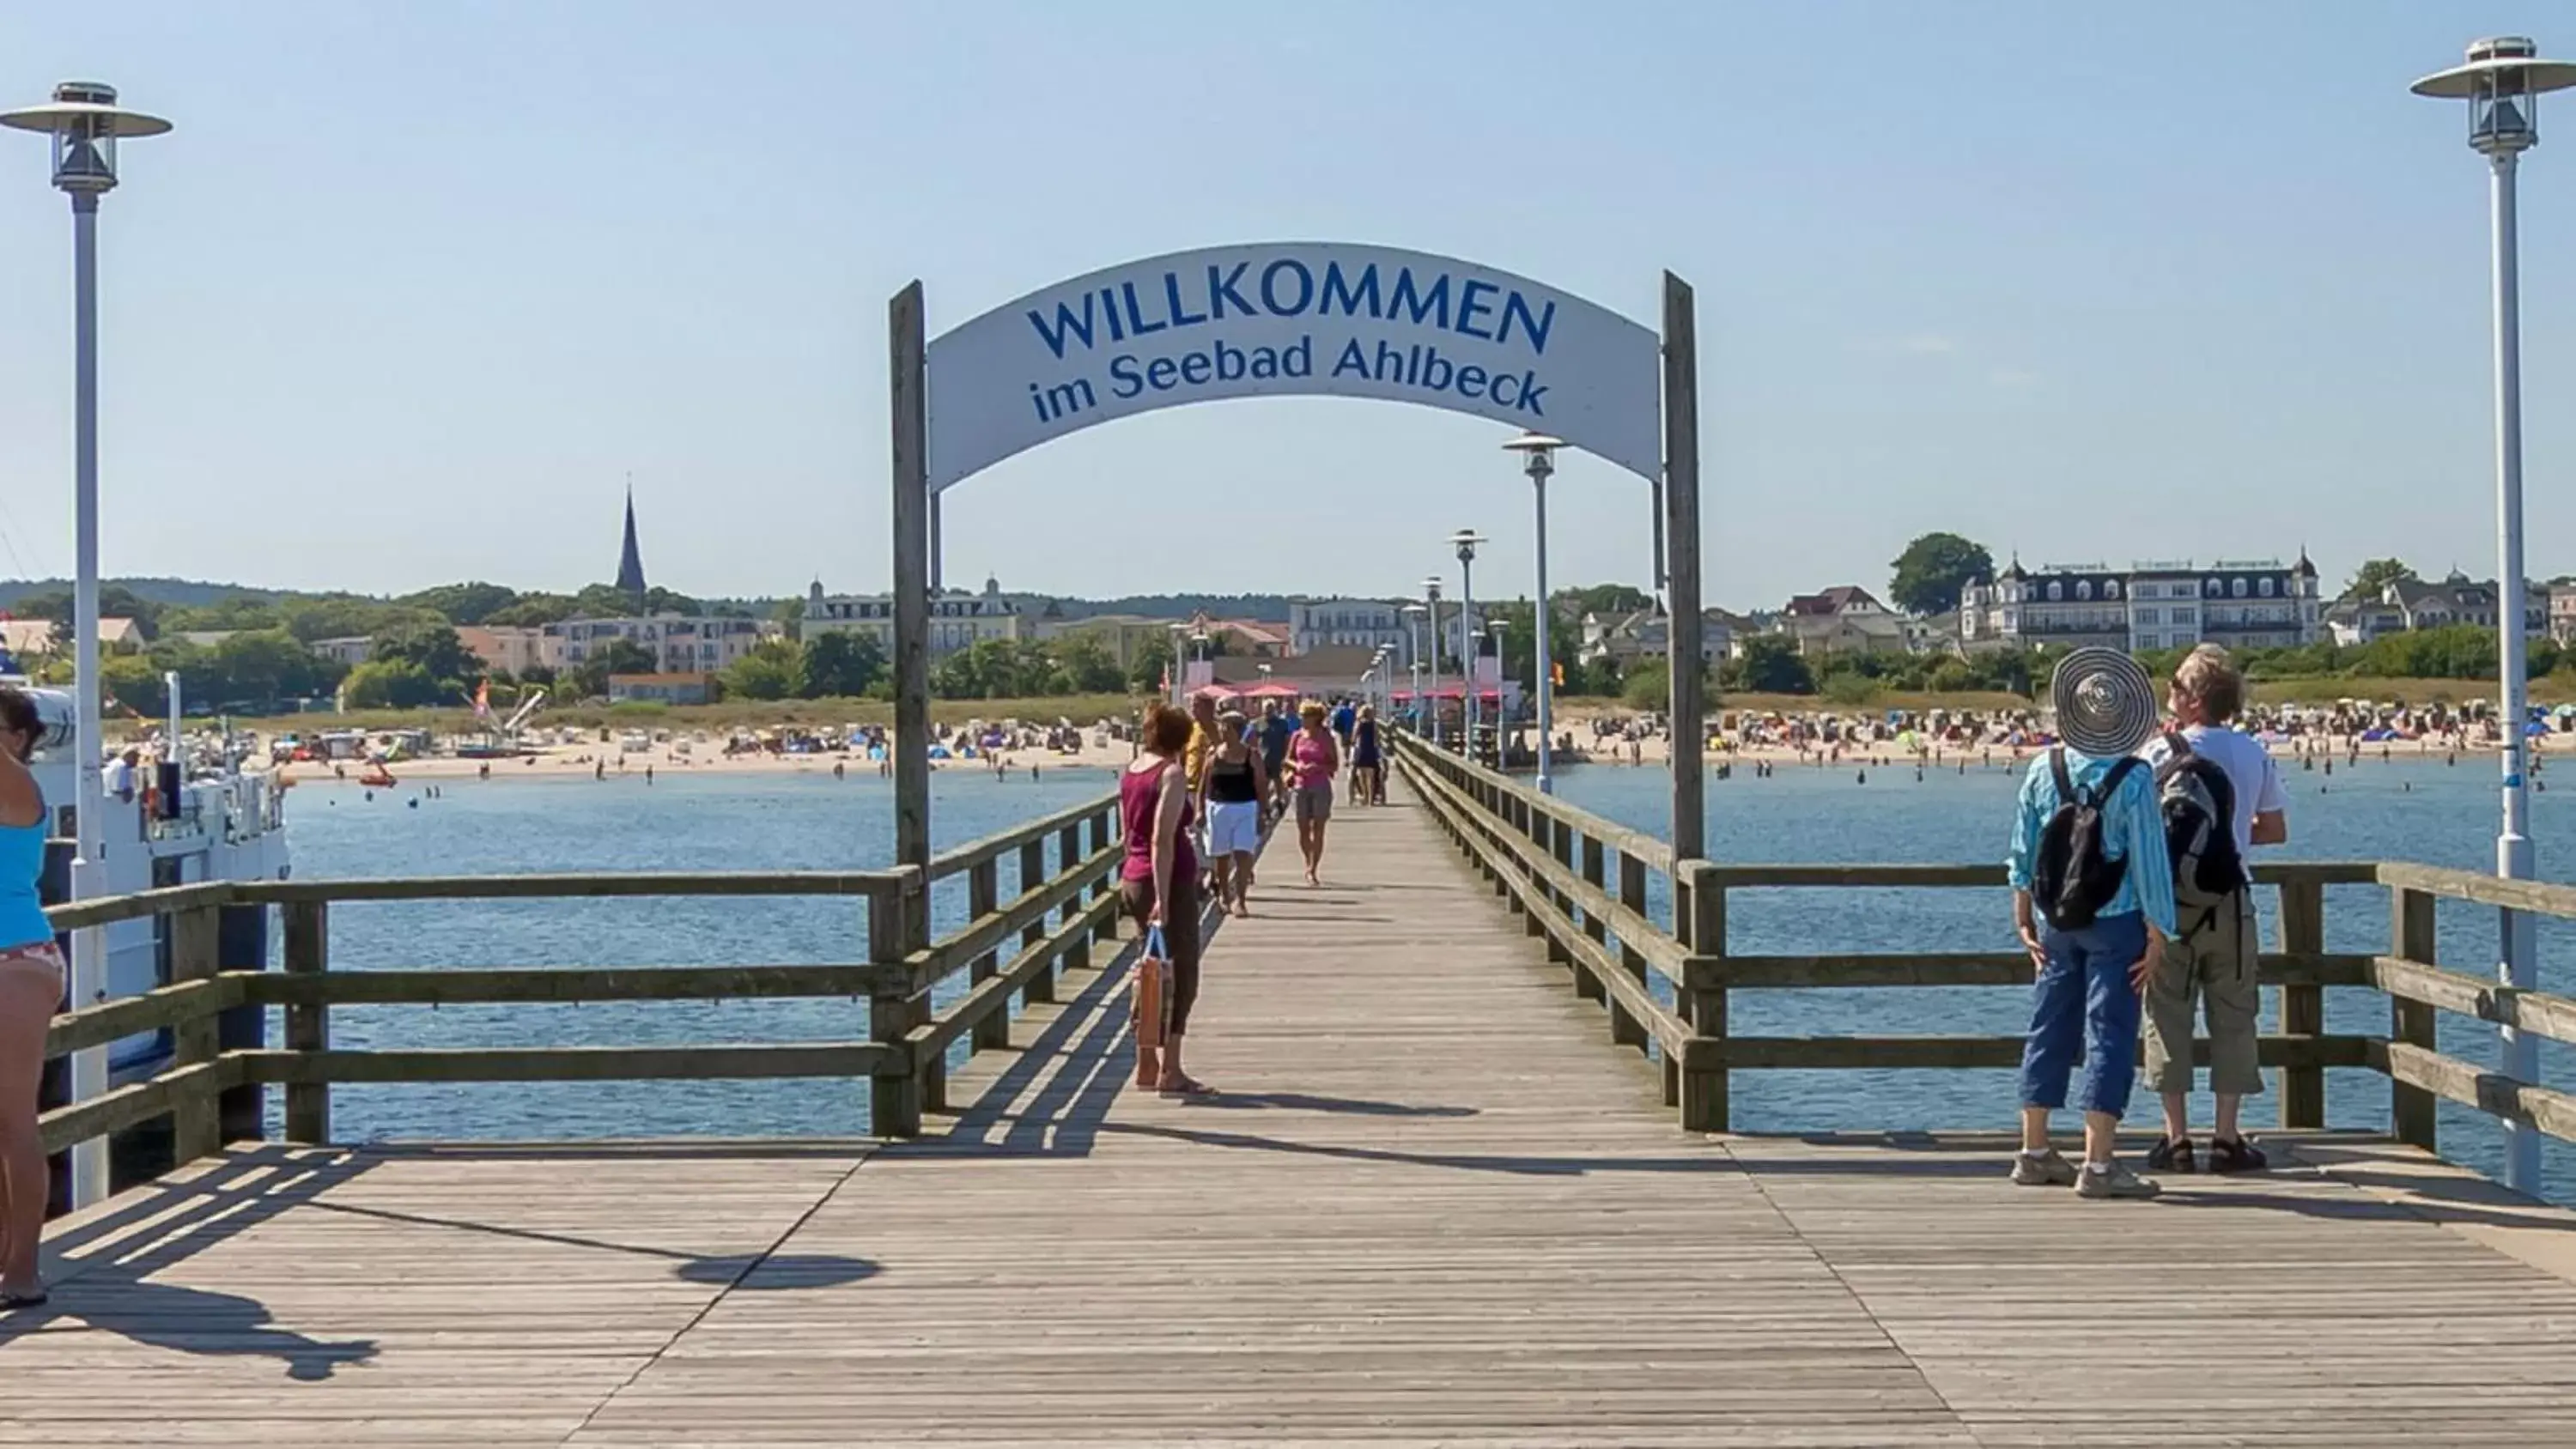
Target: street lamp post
(1431,602)
(86,124)
(1413,617)
(1180,664)
(1465,541)
(2502,81)
(1538,453)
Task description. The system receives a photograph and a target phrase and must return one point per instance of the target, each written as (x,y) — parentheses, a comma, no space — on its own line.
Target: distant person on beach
(2093,904)
(1314,758)
(1159,881)
(2222,797)
(1234,791)
(31,990)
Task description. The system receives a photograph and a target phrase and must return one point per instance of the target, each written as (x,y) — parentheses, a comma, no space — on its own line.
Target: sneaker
(2240,1155)
(2170,1155)
(2047,1169)
(2114,1181)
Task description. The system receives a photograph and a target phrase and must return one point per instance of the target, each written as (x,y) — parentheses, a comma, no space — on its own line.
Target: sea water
(2409,810)
(2423,810)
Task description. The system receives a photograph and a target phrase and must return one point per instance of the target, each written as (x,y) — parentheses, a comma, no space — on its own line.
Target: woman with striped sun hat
(2093,903)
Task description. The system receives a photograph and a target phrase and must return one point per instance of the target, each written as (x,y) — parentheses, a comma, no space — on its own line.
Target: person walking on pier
(1159,881)
(1368,760)
(31,989)
(1314,758)
(2222,797)
(2093,902)
(1235,786)
(1276,730)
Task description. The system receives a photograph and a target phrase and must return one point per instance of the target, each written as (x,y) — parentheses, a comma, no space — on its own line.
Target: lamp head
(1465,541)
(85,122)
(2502,81)
(1431,589)
(1541,452)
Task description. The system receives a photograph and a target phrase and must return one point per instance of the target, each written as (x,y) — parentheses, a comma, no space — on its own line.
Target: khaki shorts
(2217,964)
(1314,802)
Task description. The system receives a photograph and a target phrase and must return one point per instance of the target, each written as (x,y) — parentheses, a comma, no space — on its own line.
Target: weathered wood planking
(1435,1209)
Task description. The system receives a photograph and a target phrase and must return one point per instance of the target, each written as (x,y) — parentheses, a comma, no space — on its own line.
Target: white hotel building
(1368,623)
(2242,604)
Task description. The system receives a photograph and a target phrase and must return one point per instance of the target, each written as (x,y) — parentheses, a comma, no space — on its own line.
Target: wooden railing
(1064,868)
(1582,882)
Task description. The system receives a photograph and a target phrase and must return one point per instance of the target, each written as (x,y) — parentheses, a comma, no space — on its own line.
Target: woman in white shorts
(1234,789)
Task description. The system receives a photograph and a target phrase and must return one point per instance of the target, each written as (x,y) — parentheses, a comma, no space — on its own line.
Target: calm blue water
(2415,810)
(680,822)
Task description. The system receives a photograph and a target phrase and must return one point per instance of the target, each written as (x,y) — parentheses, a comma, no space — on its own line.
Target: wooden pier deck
(1433,1208)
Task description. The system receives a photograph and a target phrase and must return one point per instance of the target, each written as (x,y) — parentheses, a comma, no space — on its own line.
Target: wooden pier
(1466,1186)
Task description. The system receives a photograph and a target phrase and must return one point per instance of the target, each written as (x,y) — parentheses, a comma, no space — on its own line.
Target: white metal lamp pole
(1465,541)
(1431,602)
(1539,460)
(86,123)
(2502,81)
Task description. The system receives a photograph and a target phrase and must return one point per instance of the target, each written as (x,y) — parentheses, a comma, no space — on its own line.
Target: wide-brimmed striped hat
(2105,703)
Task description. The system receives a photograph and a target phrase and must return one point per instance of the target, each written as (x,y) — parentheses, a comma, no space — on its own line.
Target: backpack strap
(2118,772)
(2057,768)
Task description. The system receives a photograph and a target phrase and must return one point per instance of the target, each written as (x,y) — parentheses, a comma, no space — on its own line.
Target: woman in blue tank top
(31,987)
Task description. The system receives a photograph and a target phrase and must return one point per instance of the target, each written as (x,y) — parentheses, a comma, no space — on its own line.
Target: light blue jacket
(2133,829)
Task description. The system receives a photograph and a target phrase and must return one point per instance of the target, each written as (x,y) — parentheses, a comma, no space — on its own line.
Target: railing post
(196,1128)
(1560,844)
(2411,937)
(1625,1029)
(1596,874)
(1040,987)
(894,1102)
(2303,1008)
(1098,836)
(308,1028)
(1068,851)
(1699,910)
(983,898)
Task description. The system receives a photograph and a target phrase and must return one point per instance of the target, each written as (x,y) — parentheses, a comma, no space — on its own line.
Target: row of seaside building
(1329,642)
(2152,605)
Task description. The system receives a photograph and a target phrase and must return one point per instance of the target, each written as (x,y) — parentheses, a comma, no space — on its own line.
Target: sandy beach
(606,760)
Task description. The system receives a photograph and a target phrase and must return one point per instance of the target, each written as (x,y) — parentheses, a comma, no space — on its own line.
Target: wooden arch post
(911,594)
(1681,537)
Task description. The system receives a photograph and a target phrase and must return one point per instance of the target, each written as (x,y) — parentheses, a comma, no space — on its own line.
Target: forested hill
(1265,608)
(471,603)
(179,593)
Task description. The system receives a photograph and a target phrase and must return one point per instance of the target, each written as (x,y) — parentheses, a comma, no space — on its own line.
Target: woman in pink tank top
(1158,883)
(1313,759)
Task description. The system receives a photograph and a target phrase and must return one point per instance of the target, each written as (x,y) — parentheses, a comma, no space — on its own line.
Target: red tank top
(1140,796)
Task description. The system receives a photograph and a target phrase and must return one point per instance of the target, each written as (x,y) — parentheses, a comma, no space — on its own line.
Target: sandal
(2169,1155)
(2240,1155)
(37,1299)
(1186,1087)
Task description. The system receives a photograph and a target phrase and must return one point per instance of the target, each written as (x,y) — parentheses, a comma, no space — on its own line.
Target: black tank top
(1232,783)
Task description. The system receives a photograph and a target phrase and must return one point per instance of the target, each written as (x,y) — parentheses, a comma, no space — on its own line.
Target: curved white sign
(1292,319)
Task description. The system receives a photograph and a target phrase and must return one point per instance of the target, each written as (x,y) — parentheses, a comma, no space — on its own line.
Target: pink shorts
(39,956)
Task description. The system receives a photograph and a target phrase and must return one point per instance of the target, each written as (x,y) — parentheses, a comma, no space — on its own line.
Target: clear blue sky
(412,288)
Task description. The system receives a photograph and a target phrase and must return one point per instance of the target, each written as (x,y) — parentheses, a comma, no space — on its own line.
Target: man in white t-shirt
(2212,954)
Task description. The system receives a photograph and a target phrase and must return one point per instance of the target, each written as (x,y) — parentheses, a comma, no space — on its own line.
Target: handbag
(1153,996)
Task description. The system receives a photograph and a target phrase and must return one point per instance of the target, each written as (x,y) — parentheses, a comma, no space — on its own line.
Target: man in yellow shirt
(1194,760)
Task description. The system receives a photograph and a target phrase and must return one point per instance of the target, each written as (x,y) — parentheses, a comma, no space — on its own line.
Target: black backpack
(2199,806)
(2073,879)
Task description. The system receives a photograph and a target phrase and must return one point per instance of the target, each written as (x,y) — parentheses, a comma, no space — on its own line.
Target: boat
(376,775)
(212,810)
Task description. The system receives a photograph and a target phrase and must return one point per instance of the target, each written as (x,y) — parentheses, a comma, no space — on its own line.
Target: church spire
(630,560)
